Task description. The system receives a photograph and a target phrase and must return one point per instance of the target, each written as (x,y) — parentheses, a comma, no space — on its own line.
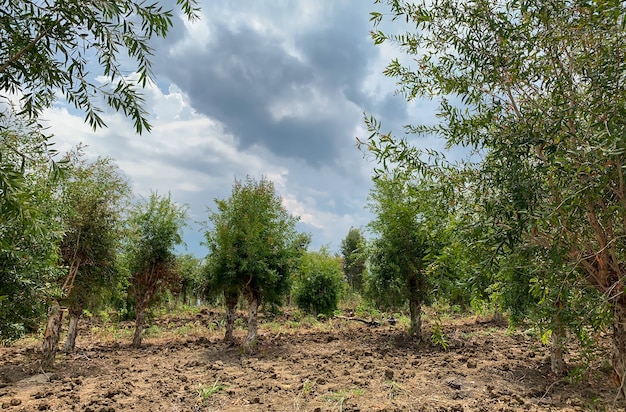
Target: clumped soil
(337,365)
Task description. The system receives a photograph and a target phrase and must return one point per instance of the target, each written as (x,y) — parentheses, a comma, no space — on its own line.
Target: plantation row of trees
(534,91)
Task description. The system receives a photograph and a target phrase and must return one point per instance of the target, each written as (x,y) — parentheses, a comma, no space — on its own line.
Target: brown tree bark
(51,337)
(230,301)
(139,326)
(253,325)
(619,344)
(75,313)
(557,362)
(415,311)
(415,288)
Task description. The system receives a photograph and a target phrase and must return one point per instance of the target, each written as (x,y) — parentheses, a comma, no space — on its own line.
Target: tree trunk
(139,325)
(230,300)
(253,326)
(70,342)
(415,309)
(557,363)
(50,344)
(619,344)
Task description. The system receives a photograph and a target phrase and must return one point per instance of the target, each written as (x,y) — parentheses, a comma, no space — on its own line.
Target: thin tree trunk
(230,300)
(70,342)
(619,344)
(415,310)
(253,325)
(139,325)
(50,344)
(557,363)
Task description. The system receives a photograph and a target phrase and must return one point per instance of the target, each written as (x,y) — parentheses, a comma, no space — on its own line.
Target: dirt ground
(336,365)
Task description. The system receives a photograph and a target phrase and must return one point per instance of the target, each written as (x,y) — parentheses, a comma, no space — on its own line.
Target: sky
(259,88)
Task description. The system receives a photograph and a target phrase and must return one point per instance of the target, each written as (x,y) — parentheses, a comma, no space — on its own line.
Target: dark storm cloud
(244,76)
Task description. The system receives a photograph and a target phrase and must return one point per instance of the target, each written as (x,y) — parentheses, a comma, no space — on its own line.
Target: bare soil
(337,365)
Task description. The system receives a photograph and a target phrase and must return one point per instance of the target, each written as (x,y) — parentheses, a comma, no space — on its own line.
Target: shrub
(320,283)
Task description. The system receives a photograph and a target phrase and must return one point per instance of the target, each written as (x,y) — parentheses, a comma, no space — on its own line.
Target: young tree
(319,283)
(47,46)
(155,228)
(92,197)
(537,87)
(352,250)
(404,245)
(192,284)
(254,247)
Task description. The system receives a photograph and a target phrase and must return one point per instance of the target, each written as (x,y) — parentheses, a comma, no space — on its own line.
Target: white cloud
(194,158)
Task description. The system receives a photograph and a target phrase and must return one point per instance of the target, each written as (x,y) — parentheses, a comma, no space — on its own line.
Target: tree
(155,228)
(403,248)
(537,89)
(253,249)
(91,199)
(352,249)
(50,47)
(29,229)
(319,283)
(192,283)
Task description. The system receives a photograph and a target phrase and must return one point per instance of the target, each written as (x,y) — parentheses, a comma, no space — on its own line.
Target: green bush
(320,284)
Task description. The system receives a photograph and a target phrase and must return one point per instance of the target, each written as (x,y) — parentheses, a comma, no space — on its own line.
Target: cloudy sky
(273,88)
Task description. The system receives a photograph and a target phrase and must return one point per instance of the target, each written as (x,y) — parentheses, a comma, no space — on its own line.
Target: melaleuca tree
(353,253)
(537,87)
(91,196)
(29,228)
(319,283)
(154,230)
(253,249)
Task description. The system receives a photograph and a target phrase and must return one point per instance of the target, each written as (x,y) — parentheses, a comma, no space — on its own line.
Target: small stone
(471,364)
(15,402)
(454,385)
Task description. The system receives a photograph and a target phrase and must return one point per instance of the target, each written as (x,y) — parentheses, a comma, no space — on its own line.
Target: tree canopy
(253,247)
(537,90)
(51,47)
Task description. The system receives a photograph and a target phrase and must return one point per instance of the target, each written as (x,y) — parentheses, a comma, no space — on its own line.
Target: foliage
(536,90)
(155,228)
(254,245)
(93,197)
(190,270)
(406,215)
(319,283)
(29,229)
(206,391)
(254,248)
(49,47)
(353,253)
